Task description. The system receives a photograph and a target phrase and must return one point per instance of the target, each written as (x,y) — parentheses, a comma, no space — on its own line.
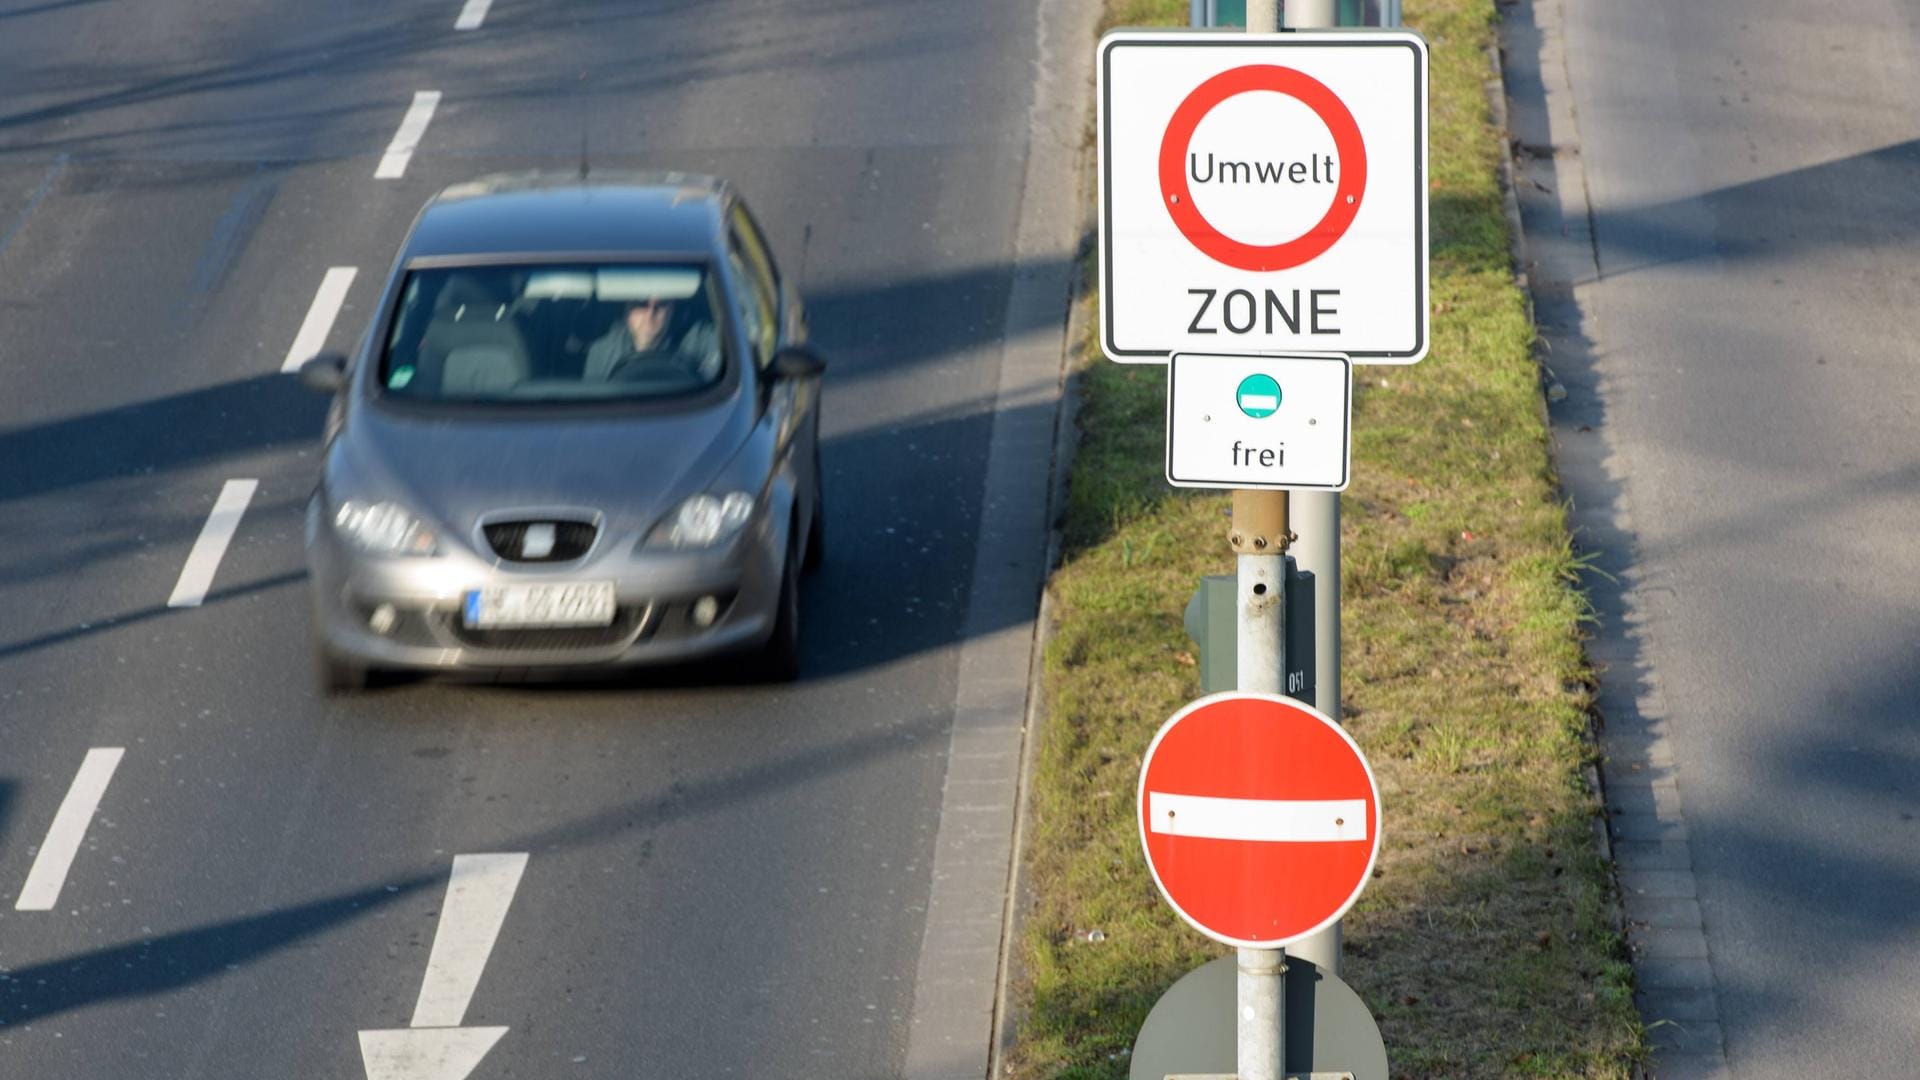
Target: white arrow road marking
(393,164)
(320,315)
(1257,819)
(436,1047)
(49,871)
(477,899)
(196,577)
(429,1054)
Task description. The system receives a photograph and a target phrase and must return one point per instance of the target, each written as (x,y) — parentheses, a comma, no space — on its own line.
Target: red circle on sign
(1260,818)
(1310,92)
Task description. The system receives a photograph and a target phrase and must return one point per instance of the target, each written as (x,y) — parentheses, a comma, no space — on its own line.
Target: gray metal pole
(1316,519)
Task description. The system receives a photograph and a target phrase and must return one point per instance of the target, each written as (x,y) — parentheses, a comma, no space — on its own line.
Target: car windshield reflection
(553,334)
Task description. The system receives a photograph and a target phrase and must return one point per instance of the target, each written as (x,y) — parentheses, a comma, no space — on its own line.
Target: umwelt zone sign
(1263,193)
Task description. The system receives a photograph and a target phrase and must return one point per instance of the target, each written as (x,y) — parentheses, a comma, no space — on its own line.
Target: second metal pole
(1317,552)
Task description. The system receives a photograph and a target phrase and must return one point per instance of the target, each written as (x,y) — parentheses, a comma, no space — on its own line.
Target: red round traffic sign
(1259,817)
(1332,112)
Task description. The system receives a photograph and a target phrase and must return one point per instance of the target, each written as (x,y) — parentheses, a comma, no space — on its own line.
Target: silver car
(582,431)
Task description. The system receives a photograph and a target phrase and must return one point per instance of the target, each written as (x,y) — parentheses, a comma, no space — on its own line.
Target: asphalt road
(720,881)
(1725,218)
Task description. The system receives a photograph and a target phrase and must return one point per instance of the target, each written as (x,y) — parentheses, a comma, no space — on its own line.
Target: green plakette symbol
(1258,396)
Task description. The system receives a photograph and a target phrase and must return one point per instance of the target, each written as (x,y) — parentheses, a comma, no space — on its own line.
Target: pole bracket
(1260,523)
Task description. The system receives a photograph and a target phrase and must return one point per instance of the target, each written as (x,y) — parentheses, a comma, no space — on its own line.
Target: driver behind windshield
(645,334)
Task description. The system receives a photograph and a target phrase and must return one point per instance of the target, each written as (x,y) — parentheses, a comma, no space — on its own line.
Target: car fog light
(705,610)
(383,619)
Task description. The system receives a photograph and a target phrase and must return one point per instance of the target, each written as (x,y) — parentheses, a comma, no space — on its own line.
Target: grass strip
(1485,945)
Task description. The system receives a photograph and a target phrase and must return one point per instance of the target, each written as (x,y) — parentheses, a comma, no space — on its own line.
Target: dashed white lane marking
(49,872)
(320,315)
(472,15)
(1277,820)
(393,164)
(197,576)
(477,899)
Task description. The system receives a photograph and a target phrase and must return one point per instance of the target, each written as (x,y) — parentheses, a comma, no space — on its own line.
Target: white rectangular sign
(1263,193)
(1259,421)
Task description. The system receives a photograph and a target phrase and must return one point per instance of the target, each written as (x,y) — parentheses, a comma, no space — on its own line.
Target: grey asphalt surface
(723,880)
(1726,244)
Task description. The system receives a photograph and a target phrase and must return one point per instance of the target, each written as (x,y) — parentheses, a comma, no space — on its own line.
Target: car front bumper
(655,594)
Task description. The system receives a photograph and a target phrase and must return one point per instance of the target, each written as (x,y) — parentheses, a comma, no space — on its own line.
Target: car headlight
(384,528)
(704,521)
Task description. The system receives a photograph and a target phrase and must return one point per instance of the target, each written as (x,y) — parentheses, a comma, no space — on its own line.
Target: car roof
(655,213)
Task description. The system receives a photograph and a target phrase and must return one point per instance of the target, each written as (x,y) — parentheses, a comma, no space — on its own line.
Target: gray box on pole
(1210,619)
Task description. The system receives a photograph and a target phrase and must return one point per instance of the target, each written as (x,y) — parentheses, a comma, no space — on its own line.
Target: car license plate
(580,603)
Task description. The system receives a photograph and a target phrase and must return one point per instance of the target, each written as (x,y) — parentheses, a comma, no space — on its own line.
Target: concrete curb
(1066,441)
(1517,248)
(1653,903)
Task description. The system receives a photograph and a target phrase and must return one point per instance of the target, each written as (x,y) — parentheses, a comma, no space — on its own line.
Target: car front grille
(570,540)
(627,621)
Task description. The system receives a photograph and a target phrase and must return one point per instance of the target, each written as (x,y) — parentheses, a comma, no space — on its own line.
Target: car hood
(454,469)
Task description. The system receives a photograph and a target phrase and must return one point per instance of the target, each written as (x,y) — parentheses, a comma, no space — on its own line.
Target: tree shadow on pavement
(161,963)
(1828,748)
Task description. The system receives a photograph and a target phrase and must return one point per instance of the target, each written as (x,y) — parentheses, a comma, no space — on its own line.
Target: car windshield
(568,332)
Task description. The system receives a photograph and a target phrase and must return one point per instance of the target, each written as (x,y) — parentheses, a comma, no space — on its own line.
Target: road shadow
(161,963)
(1760,860)
(298,110)
(24,10)
(175,432)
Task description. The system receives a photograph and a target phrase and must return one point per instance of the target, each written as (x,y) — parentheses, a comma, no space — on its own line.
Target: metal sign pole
(1317,551)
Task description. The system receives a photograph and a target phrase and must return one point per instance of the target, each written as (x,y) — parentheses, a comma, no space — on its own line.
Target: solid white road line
(204,559)
(472,15)
(1257,819)
(413,125)
(49,872)
(477,898)
(320,315)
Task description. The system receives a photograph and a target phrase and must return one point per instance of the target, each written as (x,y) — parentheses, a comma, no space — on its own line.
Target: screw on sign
(1260,818)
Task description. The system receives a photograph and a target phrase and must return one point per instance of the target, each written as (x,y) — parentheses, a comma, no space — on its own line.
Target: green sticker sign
(1258,396)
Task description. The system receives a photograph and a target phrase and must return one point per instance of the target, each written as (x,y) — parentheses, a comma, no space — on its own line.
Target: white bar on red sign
(1296,820)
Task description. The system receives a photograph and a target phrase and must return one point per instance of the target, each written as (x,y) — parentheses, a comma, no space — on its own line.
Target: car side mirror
(794,362)
(325,373)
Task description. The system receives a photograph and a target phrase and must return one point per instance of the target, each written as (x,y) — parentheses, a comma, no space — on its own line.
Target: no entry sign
(1260,818)
(1263,193)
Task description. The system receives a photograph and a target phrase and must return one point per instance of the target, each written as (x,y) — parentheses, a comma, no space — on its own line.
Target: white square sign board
(1263,193)
(1259,421)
